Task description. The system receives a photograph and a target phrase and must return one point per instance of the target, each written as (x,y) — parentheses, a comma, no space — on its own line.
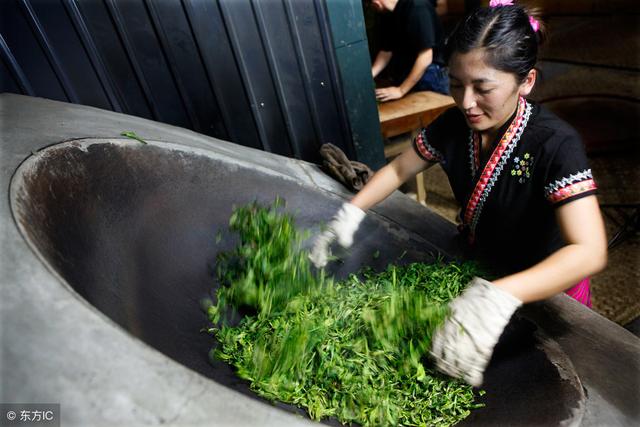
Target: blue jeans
(435,79)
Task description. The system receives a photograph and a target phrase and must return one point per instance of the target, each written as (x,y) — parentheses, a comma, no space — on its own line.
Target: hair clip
(534,24)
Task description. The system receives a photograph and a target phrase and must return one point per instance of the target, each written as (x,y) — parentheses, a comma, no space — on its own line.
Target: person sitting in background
(522,179)
(411,48)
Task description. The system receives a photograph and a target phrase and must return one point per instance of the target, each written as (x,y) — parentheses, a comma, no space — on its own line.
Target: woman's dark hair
(506,35)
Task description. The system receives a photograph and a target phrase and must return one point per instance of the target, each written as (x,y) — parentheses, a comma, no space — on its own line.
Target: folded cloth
(354,175)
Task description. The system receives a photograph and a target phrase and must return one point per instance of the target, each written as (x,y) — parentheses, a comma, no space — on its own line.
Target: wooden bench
(412,112)
(408,114)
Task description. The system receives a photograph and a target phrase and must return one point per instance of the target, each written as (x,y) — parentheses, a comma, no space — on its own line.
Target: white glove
(342,227)
(462,346)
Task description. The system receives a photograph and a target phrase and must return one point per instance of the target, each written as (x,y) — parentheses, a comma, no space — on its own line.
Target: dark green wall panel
(354,64)
(261,73)
(347,21)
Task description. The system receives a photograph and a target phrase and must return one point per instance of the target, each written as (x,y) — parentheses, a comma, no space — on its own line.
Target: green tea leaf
(352,349)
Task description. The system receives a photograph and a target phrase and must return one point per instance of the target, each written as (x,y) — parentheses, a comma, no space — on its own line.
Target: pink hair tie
(534,24)
(496,3)
(533,21)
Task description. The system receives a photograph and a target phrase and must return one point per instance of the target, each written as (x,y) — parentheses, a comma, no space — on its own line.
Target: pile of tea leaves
(352,349)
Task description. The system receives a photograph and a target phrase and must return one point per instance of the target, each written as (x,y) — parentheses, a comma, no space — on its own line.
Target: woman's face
(487,96)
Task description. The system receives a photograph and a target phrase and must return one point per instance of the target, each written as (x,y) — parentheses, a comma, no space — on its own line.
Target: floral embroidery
(495,165)
(521,167)
(425,149)
(572,185)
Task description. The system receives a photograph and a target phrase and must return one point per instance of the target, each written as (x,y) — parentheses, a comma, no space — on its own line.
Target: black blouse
(538,163)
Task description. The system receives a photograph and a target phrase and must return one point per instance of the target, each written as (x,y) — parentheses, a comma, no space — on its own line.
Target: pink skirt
(581,292)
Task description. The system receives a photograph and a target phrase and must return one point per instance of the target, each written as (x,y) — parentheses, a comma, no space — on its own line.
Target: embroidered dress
(536,164)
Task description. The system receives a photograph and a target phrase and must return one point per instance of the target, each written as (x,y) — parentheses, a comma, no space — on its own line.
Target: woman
(521,176)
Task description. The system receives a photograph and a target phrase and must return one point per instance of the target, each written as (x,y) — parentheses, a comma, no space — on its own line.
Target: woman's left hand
(462,346)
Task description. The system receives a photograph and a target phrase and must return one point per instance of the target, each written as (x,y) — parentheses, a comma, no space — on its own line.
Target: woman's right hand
(344,224)
(342,227)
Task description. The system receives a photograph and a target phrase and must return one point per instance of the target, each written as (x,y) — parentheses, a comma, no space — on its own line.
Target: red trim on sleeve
(572,190)
(424,149)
